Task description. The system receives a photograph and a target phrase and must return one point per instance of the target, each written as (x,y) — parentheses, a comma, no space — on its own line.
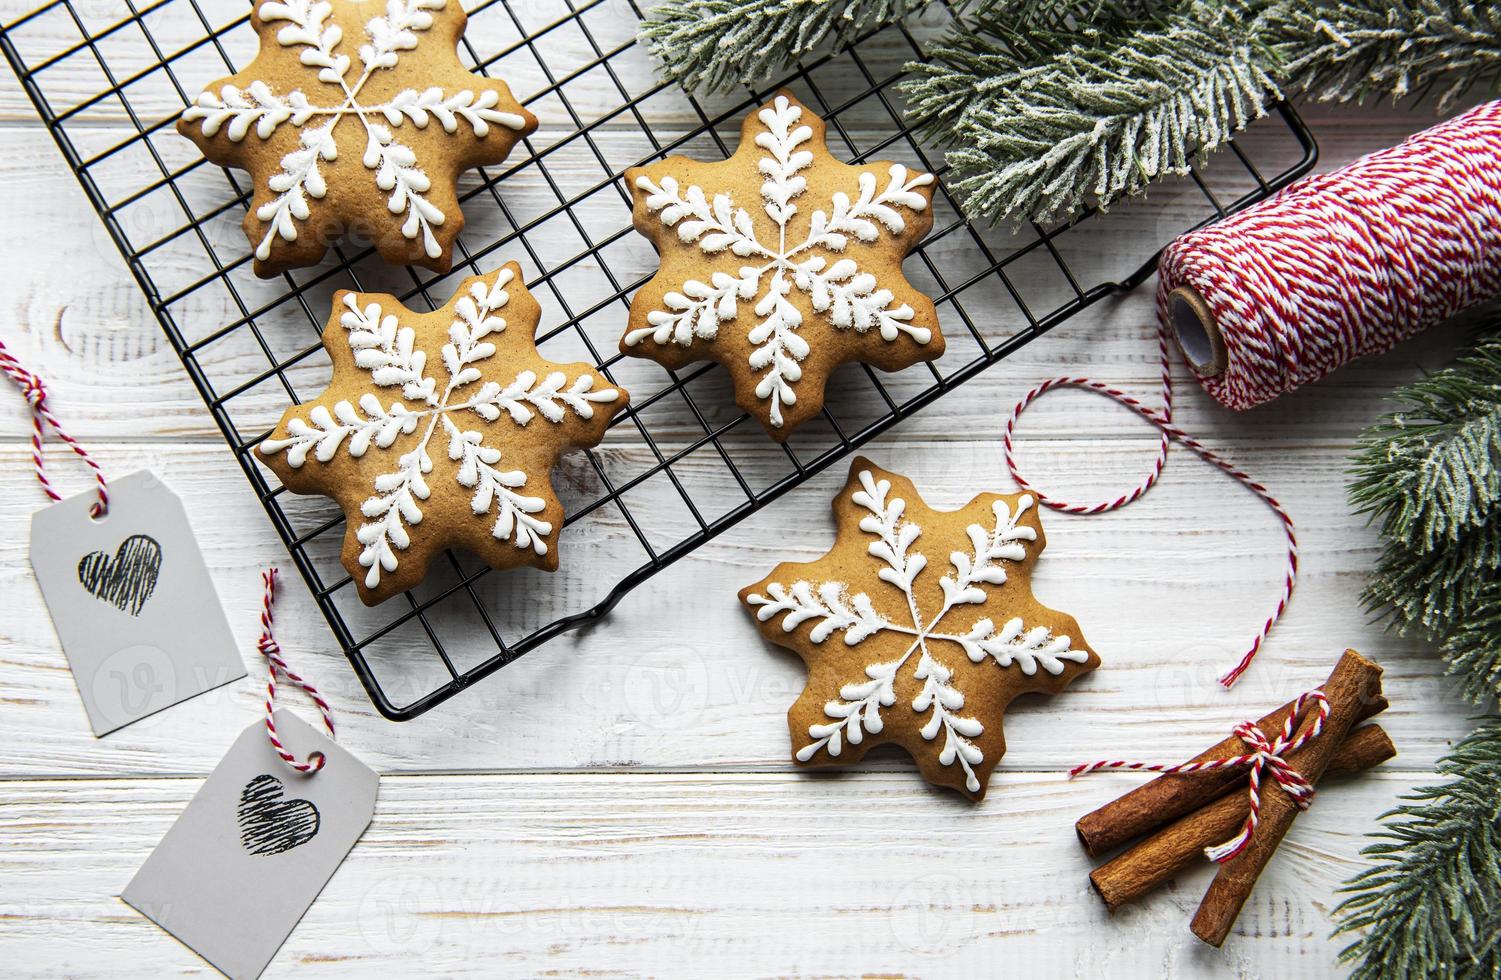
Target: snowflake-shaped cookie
(349,122)
(440,430)
(918,628)
(781,263)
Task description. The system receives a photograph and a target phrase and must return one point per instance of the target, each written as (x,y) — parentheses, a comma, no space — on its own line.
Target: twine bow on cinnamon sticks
(1222,803)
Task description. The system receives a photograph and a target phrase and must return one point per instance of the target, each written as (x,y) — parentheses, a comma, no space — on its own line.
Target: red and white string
(41,418)
(1267,757)
(1348,263)
(1334,267)
(276,664)
(1162,418)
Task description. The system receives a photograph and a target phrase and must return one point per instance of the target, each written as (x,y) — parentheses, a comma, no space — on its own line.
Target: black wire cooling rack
(110,76)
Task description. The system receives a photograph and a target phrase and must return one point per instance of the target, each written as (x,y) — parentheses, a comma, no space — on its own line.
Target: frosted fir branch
(854,300)
(717,44)
(528,395)
(387,350)
(396,171)
(697,311)
(1341,50)
(831,608)
(308,27)
(324,432)
(396,31)
(298,179)
(497,488)
(1102,118)
(942,700)
(715,226)
(1433,590)
(981,55)
(857,713)
(981,567)
(1013,643)
(255,105)
(1428,906)
(1427,472)
(391,510)
(1473,647)
(779,347)
(478,111)
(895,536)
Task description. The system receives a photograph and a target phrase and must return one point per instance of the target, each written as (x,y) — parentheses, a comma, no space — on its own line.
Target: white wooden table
(622,801)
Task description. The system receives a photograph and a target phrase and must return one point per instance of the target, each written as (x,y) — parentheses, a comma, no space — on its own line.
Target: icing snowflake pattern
(329,111)
(928,634)
(761,258)
(451,411)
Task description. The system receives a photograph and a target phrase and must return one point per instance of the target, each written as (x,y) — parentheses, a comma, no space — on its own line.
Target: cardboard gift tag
(255,846)
(132,602)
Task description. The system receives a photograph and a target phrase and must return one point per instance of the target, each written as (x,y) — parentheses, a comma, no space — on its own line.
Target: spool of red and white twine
(275,664)
(1334,267)
(1339,265)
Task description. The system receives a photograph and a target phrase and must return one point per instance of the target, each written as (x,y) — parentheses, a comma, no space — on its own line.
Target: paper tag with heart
(255,846)
(132,601)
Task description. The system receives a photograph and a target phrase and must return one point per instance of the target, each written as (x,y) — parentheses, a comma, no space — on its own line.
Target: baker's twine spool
(1339,265)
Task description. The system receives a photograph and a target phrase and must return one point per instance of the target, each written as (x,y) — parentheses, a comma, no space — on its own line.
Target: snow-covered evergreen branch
(1101,117)
(1430,905)
(1350,49)
(717,44)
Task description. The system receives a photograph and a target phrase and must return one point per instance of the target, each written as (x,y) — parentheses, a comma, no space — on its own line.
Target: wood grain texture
(622,801)
(686,874)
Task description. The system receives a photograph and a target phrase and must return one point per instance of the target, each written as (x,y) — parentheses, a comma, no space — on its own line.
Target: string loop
(1162,418)
(35,392)
(275,664)
(1267,757)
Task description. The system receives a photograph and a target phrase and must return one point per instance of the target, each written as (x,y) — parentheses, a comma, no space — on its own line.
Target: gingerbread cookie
(440,430)
(918,628)
(781,263)
(355,118)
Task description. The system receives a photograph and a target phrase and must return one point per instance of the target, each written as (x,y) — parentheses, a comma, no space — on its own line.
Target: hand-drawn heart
(269,822)
(127,580)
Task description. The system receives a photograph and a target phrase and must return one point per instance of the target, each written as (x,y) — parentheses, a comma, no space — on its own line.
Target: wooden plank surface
(621,801)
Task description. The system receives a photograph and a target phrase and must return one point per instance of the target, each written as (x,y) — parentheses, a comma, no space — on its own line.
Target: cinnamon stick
(1346,689)
(1154,861)
(1166,798)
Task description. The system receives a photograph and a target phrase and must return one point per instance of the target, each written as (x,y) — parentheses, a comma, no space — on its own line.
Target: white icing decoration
(831,609)
(852,298)
(256,108)
(387,350)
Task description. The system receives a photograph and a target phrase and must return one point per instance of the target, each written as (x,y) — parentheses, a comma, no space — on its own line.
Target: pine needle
(715,45)
(1106,115)
(1351,50)
(1430,906)
(1432,471)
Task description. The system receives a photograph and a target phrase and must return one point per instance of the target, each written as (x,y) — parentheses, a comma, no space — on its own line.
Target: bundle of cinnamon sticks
(1182,814)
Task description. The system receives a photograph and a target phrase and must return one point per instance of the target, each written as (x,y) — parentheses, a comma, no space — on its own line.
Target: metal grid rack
(109,77)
